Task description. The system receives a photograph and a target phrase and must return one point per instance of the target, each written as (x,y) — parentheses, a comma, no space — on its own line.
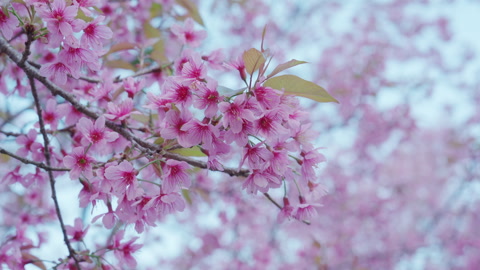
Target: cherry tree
(133,142)
(121,117)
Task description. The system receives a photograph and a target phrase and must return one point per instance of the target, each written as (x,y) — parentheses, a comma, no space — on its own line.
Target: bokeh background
(400,188)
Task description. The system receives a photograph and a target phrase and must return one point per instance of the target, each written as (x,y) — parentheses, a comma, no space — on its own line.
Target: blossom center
(96,136)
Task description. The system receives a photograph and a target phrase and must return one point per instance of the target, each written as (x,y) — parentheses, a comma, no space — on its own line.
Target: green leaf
(4,158)
(158,53)
(285,66)
(192,10)
(189,152)
(253,59)
(159,140)
(150,31)
(294,85)
(155,10)
(229,92)
(81,15)
(120,64)
(141,118)
(121,47)
(186,195)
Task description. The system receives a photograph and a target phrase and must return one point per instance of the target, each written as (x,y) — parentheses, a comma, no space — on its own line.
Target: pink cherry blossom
(215,59)
(199,132)
(270,124)
(79,163)
(71,114)
(241,138)
(267,97)
(257,156)
(50,114)
(8,23)
(95,35)
(58,71)
(279,161)
(119,111)
(187,35)
(305,211)
(135,212)
(76,58)
(61,22)
(124,180)
(13,176)
(167,203)
(235,114)
(158,103)
(286,212)
(132,86)
(261,180)
(77,232)
(193,70)
(123,251)
(85,4)
(96,133)
(310,160)
(175,176)
(239,65)
(27,142)
(207,97)
(218,147)
(178,91)
(174,121)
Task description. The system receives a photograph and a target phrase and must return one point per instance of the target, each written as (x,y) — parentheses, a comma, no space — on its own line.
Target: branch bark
(147,147)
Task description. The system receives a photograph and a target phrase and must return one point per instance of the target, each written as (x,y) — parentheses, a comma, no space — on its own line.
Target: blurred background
(400,188)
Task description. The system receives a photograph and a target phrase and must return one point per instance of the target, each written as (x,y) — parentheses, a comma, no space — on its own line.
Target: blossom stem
(279,206)
(298,188)
(88,148)
(147,181)
(272,200)
(148,164)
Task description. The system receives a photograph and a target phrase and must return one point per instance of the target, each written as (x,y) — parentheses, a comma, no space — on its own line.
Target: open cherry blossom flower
(187,34)
(77,232)
(8,23)
(79,163)
(175,176)
(95,134)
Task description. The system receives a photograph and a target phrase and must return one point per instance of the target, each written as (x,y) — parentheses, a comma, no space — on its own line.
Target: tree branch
(46,144)
(147,147)
(27,161)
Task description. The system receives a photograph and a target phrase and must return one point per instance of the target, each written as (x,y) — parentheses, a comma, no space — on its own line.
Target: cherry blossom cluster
(132,142)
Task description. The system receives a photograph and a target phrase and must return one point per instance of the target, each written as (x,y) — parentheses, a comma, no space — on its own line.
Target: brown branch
(27,161)
(147,147)
(118,79)
(203,165)
(29,29)
(279,206)
(46,144)
(13,134)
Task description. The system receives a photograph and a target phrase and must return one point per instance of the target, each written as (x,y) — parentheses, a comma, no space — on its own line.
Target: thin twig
(37,164)
(46,144)
(29,29)
(279,206)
